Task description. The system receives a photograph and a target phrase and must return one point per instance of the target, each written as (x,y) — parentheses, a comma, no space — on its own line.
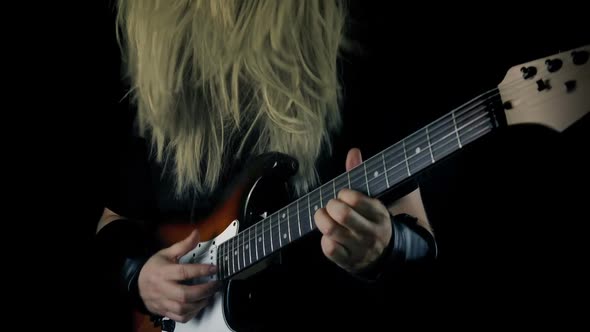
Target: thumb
(353,159)
(180,249)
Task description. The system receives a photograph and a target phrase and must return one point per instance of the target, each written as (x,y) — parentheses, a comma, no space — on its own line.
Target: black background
(419,62)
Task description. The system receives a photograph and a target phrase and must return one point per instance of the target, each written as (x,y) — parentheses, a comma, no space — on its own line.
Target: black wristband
(409,243)
(121,249)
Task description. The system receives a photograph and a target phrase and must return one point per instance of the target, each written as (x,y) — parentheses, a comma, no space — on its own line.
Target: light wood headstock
(553,91)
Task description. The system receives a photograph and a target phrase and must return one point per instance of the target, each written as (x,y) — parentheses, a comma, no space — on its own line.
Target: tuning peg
(553,65)
(580,57)
(528,72)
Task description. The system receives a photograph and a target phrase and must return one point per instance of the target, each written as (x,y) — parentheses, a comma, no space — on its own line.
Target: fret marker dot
(285,236)
(376,174)
(418,150)
(260,239)
(315,207)
(246,246)
(284,215)
(225,257)
(235,252)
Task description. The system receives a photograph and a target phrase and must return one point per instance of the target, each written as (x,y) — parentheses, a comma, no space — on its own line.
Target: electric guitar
(553,91)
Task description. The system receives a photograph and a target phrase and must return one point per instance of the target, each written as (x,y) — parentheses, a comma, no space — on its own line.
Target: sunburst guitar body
(553,91)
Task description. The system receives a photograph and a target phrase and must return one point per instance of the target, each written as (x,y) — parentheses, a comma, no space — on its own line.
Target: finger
(347,217)
(329,227)
(335,251)
(177,318)
(195,293)
(178,308)
(198,307)
(334,230)
(180,249)
(187,312)
(353,158)
(370,208)
(189,293)
(180,272)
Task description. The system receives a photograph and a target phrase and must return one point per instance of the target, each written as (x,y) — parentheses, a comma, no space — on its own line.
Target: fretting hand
(356,228)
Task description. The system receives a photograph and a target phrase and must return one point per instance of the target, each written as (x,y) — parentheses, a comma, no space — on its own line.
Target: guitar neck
(552,91)
(374,177)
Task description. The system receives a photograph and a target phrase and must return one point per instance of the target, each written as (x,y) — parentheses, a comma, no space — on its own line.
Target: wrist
(122,248)
(409,242)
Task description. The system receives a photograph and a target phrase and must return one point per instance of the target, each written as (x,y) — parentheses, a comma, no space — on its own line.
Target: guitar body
(244,233)
(243,204)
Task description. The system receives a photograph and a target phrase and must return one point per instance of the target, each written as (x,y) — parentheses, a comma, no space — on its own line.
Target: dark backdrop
(508,234)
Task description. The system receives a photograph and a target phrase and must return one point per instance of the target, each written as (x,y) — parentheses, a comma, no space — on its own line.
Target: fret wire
(485,121)
(385,166)
(464,108)
(270,233)
(288,223)
(221,263)
(429,145)
(263,241)
(280,237)
(298,219)
(458,113)
(348,176)
(367,179)
(309,209)
(250,245)
(226,259)
(375,171)
(436,132)
(256,239)
(334,187)
(243,251)
(406,157)
(361,179)
(460,119)
(456,130)
(235,253)
(444,123)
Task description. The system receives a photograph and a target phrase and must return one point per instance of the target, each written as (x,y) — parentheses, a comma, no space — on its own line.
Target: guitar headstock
(553,91)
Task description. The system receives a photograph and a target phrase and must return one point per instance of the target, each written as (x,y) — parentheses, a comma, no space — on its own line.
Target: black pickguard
(245,299)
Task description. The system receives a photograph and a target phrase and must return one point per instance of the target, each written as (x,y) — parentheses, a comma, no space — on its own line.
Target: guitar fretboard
(374,177)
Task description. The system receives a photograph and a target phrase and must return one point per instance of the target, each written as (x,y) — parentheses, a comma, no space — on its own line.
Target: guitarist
(212,84)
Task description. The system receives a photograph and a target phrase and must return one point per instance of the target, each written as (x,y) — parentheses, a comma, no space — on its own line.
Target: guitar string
(290,205)
(436,124)
(510,90)
(243,241)
(284,222)
(240,252)
(420,156)
(379,179)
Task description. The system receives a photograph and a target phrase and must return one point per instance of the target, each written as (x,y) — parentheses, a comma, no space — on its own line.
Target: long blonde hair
(207,75)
